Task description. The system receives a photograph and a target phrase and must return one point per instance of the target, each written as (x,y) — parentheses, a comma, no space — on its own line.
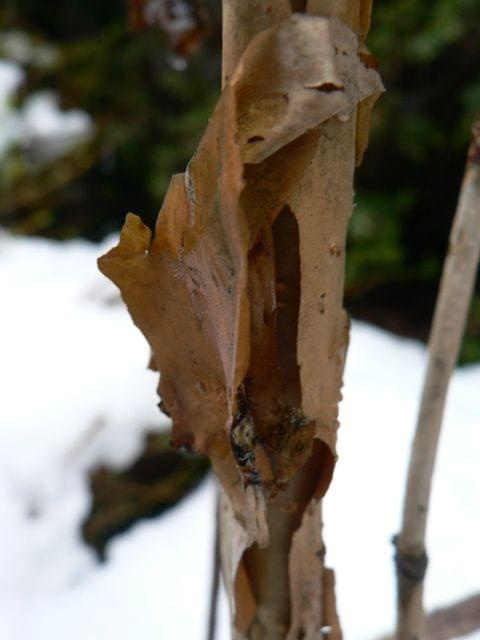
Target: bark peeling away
(239,294)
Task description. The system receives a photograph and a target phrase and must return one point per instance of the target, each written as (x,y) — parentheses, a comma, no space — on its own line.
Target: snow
(362,509)
(51,130)
(70,365)
(76,392)
(39,124)
(155,585)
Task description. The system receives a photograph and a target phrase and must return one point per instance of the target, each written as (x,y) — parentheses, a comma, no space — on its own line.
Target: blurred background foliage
(147,73)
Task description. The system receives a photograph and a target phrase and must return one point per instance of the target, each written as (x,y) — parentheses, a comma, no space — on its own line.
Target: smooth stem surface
(215,584)
(455,621)
(449,320)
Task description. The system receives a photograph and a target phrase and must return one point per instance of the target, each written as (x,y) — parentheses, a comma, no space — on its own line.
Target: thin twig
(456,620)
(215,584)
(449,320)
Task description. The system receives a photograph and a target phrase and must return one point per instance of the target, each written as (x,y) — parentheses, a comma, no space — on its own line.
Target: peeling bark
(239,295)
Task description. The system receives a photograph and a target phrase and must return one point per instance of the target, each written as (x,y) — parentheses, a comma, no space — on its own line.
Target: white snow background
(75,392)
(39,123)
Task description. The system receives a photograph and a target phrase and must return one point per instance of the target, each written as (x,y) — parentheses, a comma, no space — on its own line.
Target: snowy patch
(49,130)
(75,392)
(22,48)
(39,126)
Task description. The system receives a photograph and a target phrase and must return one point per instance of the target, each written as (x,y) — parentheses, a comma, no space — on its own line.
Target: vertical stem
(267,568)
(449,320)
(277,574)
(215,580)
(242,20)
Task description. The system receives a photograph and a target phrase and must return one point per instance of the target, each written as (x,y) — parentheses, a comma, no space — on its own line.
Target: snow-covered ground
(76,391)
(39,123)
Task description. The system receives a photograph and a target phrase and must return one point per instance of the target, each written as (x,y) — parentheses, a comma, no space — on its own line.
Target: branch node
(410,566)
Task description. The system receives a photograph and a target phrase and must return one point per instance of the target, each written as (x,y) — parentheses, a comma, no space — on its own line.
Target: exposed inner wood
(239,294)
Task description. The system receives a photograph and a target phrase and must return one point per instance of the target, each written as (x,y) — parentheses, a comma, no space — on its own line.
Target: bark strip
(239,294)
(453,301)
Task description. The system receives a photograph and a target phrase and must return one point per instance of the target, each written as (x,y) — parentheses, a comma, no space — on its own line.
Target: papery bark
(240,297)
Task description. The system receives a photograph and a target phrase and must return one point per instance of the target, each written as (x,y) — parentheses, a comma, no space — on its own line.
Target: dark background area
(147,72)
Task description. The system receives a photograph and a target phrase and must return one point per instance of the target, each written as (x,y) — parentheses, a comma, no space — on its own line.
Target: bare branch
(449,320)
(455,621)
(240,295)
(215,584)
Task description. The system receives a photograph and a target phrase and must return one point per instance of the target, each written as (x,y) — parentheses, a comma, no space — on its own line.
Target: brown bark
(451,311)
(240,297)
(290,594)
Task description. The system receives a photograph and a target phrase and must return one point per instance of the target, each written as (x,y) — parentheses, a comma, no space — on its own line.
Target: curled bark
(451,311)
(240,296)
